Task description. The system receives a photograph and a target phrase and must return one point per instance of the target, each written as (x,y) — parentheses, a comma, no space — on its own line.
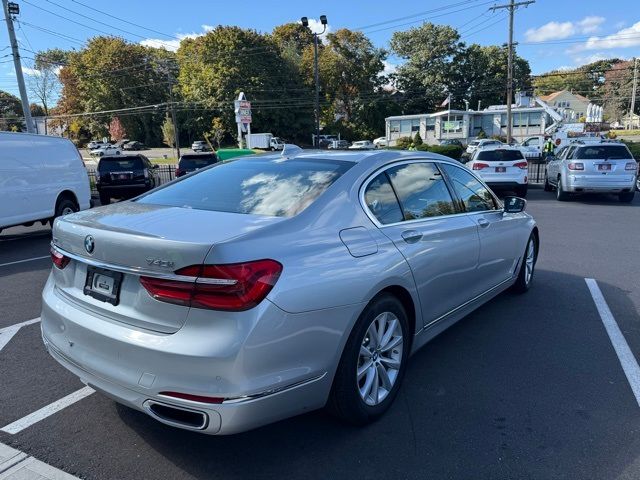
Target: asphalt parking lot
(525,387)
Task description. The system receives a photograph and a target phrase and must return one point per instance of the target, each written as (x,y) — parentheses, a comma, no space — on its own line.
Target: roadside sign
(243,111)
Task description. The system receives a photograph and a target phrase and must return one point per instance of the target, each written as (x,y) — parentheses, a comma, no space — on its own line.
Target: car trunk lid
(133,239)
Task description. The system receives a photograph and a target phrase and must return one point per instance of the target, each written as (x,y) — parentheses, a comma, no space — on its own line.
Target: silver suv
(592,167)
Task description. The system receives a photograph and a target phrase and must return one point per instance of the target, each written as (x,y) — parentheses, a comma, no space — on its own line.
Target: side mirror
(514,204)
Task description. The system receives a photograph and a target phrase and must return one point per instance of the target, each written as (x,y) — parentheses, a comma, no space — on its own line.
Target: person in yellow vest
(548,149)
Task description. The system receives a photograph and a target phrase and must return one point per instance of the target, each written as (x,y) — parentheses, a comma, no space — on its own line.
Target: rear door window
(120,164)
(421,190)
(256,186)
(474,195)
(189,162)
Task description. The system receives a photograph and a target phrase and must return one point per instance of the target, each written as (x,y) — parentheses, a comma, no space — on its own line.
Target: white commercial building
(530,117)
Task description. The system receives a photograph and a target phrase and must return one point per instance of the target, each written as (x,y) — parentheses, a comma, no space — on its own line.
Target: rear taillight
(146,173)
(522,165)
(179,172)
(58,259)
(576,166)
(631,166)
(232,287)
(479,166)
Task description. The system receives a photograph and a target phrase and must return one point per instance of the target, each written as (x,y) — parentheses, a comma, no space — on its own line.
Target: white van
(41,178)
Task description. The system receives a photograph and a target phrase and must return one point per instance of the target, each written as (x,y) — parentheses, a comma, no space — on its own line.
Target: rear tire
(547,185)
(65,206)
(521,191)
(626,197)
(105,199)
(347,398)
(561,195)
(527,268)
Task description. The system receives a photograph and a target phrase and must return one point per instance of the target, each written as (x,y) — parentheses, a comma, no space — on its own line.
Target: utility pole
(633,93)
(305,23)
(511,6)
(11,9)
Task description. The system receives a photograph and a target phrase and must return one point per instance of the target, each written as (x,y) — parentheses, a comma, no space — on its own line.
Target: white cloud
(389,67)
(561,30)
(585,59)
(173,45)
(624,38)
(31,71)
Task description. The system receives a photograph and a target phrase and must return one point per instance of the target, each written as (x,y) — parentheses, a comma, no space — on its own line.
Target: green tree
(354,102)
(111,73)
(10,112)
(216,67)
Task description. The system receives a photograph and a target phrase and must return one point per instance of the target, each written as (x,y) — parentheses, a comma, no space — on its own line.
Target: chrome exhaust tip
(176,416)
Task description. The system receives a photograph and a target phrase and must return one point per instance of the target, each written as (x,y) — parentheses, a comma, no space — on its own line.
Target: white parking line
(16,465)
(25,260)
(7,333)
(620,345)
(47,411)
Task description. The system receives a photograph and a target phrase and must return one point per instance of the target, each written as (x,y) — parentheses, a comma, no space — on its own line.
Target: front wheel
(373,362)
(527,268)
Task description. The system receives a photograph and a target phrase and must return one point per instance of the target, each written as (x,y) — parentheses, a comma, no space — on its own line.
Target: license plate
(123,176)
(501,169)
(604,166)
(103,285)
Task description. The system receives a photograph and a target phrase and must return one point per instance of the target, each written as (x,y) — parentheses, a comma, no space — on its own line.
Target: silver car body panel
(279,358)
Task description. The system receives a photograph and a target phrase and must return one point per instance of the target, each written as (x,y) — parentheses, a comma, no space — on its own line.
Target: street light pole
(305,23)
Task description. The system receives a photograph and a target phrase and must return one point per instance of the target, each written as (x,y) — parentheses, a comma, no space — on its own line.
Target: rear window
(474,143)
(271,187)
(120,164)
(197,161)
(500,155)
(599,152)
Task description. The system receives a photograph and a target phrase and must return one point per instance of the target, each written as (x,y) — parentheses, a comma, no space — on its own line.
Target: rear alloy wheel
(64,207)
(373,362)
(561,195)
(626,197)
(528,266)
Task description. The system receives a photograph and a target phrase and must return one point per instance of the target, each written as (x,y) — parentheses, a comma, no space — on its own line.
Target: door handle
(411,236)
(483,223)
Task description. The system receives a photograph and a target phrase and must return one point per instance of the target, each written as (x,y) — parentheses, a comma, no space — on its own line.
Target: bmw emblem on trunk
(89,244)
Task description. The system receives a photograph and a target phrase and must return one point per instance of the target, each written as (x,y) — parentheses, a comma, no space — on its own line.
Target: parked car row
(99,148)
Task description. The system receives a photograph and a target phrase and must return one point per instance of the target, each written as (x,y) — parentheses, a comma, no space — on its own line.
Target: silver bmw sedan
(265,287)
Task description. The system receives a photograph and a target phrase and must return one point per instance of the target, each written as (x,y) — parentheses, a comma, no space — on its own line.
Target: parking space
(528,386)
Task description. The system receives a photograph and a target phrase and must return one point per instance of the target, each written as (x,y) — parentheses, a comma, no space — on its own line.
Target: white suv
(502,168)
(483,143)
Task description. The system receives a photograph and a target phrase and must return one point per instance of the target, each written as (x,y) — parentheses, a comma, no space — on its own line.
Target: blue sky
(552,34)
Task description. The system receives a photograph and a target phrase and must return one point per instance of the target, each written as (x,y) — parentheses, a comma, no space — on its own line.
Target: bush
(612,134)
(481,135)
(634,147)
(417,140)
(499,138)
(451,151)
(404,143)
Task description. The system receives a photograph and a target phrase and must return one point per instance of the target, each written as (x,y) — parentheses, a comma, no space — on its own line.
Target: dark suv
(191,162)
(124,176)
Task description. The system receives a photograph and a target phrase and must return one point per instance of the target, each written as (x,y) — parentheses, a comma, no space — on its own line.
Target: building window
(415,126)
(405,126)
(430,124)
(394,126)
(535,119)
(452,124)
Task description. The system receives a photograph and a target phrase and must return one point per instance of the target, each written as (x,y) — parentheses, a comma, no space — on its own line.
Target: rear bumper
(505,185)
(265,363)
(123,190)
(577,184)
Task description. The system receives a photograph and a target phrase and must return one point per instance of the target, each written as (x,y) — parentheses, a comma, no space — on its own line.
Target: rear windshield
(599,152)
(120,164)
(499,155)
(474,143)
(271,187)
(197,161)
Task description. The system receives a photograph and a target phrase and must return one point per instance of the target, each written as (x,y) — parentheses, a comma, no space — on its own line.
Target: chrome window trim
(405,161)
(142,271)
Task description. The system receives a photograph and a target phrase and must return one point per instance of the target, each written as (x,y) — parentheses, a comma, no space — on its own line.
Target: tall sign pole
(242,108)
(11,9)
(511,6)
(633,93)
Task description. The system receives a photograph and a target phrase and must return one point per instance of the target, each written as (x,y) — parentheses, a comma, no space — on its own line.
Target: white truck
(264,141)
